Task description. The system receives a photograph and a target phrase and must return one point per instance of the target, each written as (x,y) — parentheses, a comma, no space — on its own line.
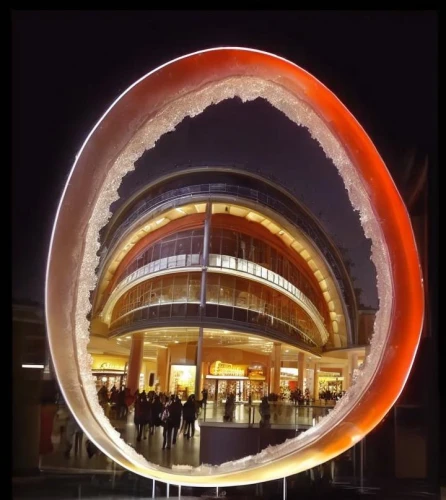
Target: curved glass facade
(229,298)
(231,243)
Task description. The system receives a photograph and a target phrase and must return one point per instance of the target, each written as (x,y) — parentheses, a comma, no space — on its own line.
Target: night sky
(69,66)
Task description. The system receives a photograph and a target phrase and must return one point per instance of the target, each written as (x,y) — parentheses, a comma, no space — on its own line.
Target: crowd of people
(152,410)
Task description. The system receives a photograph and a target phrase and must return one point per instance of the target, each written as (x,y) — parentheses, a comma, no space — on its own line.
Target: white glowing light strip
(41,367)
(87,278)
(227,377)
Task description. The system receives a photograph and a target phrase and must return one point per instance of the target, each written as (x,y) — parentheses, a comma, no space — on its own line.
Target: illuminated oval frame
(154,105)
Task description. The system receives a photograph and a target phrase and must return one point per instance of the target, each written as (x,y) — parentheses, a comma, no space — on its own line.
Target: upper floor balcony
(226,265)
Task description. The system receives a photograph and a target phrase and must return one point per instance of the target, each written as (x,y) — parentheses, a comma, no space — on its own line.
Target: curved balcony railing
(223,262)
(215,314)
(285,206)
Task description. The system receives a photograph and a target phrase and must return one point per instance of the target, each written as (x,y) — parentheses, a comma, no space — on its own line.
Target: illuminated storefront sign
(182,380)
(220,369)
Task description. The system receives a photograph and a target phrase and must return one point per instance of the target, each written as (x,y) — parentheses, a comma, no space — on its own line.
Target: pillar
(352,366)
(301,370)
(205,263)
(316,381)
(269,380)
(277,360)
(135,362)
(345,376)
(161,369)
(310,378)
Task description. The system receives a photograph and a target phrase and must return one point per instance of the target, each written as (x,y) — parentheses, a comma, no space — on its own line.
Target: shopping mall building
(226,271)
(219,278)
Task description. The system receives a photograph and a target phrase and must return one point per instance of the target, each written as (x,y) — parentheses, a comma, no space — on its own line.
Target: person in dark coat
(176,412)
(167,423)
(189,415)
(146,415)
(139,415)
(265,413)
(121,407)
(229,408)
(151,413)
(157,410)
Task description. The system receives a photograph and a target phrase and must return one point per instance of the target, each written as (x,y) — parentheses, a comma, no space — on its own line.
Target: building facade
(218,278)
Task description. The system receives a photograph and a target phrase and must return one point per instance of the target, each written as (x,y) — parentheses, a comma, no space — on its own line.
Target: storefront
(289,382)
(331,381)
(241,380)
(182,381)
(109,378)
(109,372)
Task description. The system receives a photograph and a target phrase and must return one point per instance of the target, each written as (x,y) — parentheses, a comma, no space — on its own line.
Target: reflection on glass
(187,246)
(226,295)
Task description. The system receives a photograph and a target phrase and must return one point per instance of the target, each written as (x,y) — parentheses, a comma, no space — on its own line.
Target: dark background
(69,66)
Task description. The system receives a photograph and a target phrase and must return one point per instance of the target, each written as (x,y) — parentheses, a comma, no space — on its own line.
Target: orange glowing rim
(155,104)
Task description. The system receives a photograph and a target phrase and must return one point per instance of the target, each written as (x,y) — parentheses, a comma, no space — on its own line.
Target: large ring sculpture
(156,104)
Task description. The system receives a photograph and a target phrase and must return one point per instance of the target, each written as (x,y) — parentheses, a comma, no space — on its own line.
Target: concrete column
(352,365)
(135,361)
(161,369)
(205,263)
(277,359)
(269,381)
(344,375)
(301,370)
(316,381)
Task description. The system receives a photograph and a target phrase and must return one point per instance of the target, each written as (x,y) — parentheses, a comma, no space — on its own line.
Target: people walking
(189,415)
(265,412)
(139,415)
(167,423)
(229,408)
(176,412)
(73,437)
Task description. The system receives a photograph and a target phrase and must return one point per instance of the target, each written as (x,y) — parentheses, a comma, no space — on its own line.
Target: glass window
(226,294)
(180,288)
(156,251)
(164,311)
(167,249)
(225,312)
(179,310)
(240,314)
(197,244)
(242,294)
(167,290)
(215,244)
(154,312)
(255,297)
(212,293)
(227,281)
(211,310)
(183,246)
